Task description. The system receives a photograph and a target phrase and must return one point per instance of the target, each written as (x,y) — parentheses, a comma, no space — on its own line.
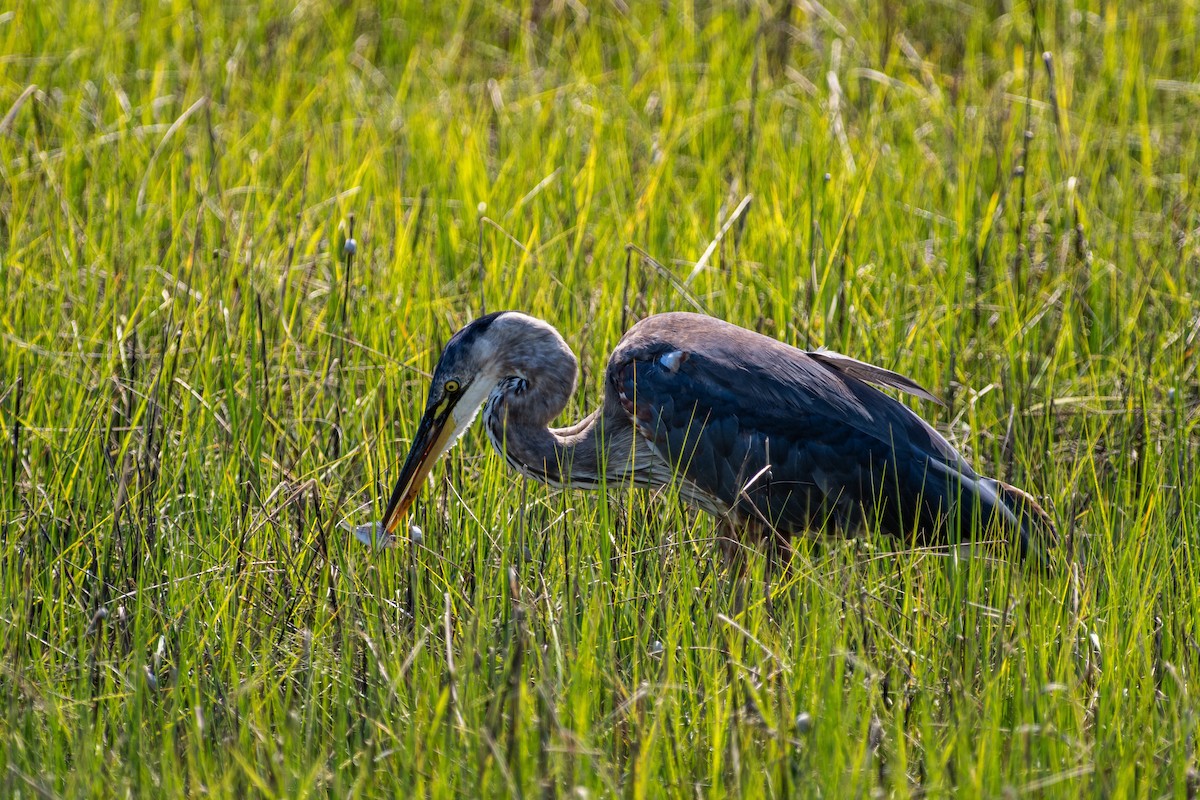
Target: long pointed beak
(429,443)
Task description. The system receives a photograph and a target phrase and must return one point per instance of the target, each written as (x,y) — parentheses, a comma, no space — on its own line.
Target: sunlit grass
(197,386)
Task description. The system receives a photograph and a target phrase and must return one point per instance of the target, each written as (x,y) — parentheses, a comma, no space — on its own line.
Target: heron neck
(568,456)
(538,380)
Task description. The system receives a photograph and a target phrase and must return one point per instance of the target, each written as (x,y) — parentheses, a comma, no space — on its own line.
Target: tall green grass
(197,385)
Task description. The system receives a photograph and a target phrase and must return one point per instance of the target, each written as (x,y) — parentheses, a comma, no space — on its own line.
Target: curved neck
(518,416)
(559,457)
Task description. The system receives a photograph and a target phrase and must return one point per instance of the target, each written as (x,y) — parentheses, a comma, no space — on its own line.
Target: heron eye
(451,387)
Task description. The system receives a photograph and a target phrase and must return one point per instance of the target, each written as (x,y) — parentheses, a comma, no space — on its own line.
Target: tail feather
(1035,529)
(975,503)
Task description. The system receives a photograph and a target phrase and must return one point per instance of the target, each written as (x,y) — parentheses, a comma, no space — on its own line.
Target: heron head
(475,360)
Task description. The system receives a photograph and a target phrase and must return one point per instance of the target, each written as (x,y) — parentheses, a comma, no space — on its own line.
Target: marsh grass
(198,386)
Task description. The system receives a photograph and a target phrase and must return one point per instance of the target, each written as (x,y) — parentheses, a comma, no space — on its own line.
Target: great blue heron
(771,439)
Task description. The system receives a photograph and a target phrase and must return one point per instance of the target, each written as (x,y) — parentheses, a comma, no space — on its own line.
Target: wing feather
(870,373)
(736,405)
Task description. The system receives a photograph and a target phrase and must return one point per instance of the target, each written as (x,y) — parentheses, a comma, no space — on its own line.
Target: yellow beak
(434,432)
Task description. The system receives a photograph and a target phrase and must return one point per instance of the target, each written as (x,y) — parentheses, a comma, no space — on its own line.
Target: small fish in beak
(372,534)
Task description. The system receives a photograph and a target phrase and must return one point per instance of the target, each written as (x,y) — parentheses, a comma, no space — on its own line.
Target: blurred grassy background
(196,385)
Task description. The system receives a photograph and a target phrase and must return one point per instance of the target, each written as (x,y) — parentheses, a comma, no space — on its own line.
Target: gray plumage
(771,439)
